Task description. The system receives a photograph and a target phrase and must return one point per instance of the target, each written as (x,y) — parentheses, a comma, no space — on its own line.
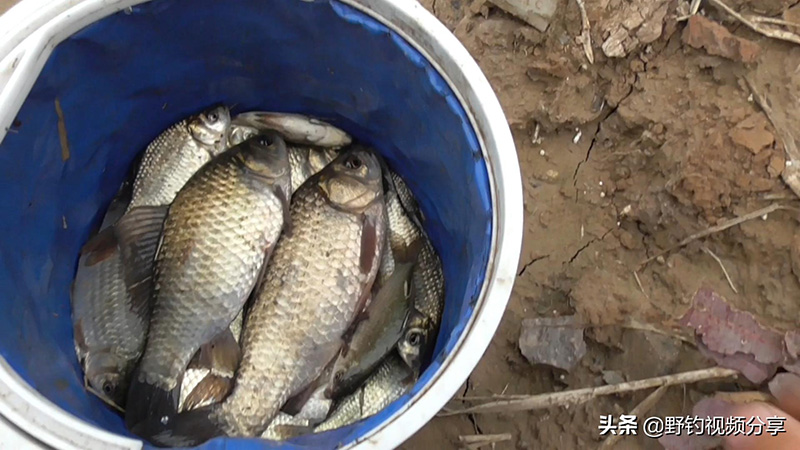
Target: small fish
(377,331)
(427,279)
(218,235)
(109,329)
(177,153)
(390,381)
(304,159)
(296,128)
(110,294)
(317,280)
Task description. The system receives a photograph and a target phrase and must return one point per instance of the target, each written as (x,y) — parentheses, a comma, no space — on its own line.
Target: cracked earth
(620,160)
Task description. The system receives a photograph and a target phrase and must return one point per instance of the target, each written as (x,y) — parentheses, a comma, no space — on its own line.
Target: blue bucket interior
(125,78)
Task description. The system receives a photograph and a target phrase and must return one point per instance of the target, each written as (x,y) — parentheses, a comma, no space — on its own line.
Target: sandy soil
(6,4)
(671,143)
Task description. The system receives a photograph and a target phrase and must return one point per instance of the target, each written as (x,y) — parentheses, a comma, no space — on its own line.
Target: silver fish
(377,332)
(219,232)
(110,295)
(296,128)
(108,328)
(389,382)
(427,279)
(175,155)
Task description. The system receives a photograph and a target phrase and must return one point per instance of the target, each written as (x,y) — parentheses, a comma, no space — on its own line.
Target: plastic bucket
(121,71)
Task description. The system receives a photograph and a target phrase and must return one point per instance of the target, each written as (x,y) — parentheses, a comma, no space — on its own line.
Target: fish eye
(353,162)
(338,376)
(414,338)
(212,116)
(266,141)
(108,388)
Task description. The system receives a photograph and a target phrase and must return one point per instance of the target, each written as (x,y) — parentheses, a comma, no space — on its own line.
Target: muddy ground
(672,142)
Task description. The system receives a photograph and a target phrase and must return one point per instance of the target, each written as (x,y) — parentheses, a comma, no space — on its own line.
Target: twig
(586,30)
(639,411)
(779,197)
(479,440)
(639,282)
(719,261)
(715,229)
(772,20)
(578,396)
(694,7)
(769,32)
(634,324)
(745,397)
(791,173)
(62,131)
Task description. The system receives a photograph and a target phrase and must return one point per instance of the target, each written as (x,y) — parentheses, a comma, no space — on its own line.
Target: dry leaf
(734,339)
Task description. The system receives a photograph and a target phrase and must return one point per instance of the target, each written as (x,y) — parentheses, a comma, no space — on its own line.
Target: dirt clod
(556,341)
(717,40)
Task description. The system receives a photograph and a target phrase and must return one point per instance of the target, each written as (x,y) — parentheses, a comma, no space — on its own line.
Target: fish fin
(370,245)
(409,254)
(100,247)
(293,431)
(407,200)
(221,354)
(212,389)
(80,339)
(348,334)
(188,429)
(283,196)
(298,400)
(295,404)
(119,204)
(139,235)
(148,402)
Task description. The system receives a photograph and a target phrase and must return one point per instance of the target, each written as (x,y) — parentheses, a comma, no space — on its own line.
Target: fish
(217,238)
(427,278)
(315,284)
(305,160)
(177,153)
(111,290)
(296,128)
(391,380)
(376,333)
(108,329)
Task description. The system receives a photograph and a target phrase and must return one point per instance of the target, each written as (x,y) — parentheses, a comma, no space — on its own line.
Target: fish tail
(150,403)
(187,429)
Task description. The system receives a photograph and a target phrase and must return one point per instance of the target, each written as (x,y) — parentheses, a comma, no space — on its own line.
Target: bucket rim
(36,27)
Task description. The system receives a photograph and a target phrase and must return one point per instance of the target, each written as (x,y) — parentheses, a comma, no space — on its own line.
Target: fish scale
(427,277)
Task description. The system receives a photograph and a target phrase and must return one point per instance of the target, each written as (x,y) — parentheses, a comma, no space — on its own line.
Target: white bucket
(31,30)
